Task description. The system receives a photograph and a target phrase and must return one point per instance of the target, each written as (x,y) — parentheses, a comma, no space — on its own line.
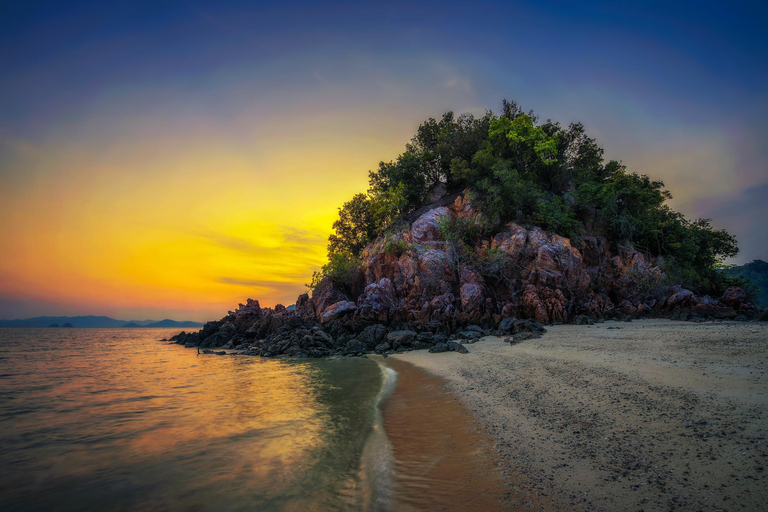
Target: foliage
(460,230)
(753,277)
(552,214)
(355,227)
(538,173)
(343,268)
(496,267)
(396,246)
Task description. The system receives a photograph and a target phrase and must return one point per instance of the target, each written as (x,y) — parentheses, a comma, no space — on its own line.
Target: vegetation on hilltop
(756,274)
(518,169)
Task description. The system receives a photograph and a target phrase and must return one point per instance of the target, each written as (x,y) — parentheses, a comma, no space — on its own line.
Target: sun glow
(194,222)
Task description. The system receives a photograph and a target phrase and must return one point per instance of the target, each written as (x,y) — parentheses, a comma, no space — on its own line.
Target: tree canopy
(520,170)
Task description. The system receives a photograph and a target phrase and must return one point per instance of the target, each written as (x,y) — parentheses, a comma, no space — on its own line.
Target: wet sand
(647,415)
(444,459)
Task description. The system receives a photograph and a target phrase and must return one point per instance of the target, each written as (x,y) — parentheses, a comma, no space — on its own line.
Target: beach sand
(643,415)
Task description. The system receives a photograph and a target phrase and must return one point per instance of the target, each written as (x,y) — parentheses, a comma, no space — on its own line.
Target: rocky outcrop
(434,296)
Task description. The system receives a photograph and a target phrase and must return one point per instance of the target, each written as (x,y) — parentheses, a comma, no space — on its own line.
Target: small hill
(757,272)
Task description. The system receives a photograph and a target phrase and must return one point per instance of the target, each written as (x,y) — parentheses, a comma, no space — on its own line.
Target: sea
(115,419)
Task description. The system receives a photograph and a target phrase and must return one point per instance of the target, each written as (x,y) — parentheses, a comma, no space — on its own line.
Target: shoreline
(443,459)
(651,414)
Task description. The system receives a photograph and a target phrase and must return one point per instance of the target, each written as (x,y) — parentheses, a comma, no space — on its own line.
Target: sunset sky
(171,159)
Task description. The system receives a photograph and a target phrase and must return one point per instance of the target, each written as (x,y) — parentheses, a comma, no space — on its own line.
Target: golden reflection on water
(223,412)
(164,428)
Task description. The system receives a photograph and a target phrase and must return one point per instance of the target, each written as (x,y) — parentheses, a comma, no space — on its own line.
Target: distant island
(94,321)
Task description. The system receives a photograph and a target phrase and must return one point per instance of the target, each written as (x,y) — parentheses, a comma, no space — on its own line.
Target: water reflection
(94,419)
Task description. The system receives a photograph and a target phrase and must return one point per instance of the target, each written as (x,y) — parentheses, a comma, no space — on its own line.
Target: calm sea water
(112,419)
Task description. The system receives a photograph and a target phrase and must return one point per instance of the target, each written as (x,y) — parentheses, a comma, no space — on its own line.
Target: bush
(496,267)
(553,215)
(460,230)
(396,246)
(344,269)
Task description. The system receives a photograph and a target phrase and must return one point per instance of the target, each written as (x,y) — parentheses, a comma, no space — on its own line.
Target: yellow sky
(182,221)
(166,214)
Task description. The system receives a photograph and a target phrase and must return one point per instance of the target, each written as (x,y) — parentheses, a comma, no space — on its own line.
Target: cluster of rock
(427,297)
(275,332)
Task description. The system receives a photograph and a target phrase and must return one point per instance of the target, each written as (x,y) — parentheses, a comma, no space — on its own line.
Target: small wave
(378,460)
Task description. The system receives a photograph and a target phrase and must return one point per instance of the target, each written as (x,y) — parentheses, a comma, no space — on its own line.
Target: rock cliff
(428,291)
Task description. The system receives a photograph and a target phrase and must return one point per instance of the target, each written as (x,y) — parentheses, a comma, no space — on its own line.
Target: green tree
(355,227)
(539,173)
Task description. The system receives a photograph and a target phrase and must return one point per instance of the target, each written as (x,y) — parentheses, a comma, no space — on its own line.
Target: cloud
(241,282)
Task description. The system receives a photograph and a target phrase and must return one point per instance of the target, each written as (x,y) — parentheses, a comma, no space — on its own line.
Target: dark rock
(583,320)
(523,336)
(507,325)
(735,297)
(425,337)
(470,336)
(401,339)
(439,347)
(457,347)
(382,347)
(439,338)
(377,302)
(325,294)
(681,314)
(355,347)
(372,336)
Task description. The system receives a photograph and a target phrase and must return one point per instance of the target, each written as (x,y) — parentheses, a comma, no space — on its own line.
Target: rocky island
(494,225)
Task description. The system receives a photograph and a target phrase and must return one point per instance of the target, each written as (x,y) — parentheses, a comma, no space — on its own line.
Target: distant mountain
(166,323)
(92,321)
(757,272)
(74,321)
(140,323)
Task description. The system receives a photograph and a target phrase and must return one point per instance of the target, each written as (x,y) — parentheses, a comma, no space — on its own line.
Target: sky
(172,159)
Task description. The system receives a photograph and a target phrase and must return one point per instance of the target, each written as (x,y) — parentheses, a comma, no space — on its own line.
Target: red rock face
(735,297)
(336,310)
(522,272)
(548,278)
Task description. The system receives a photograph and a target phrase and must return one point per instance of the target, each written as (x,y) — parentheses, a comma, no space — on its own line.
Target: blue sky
(135,97)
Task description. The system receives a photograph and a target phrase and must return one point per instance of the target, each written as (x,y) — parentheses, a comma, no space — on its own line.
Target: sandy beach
(643,415)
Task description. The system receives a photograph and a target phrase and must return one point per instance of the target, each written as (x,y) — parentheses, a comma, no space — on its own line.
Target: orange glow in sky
(177,220)
(172,160)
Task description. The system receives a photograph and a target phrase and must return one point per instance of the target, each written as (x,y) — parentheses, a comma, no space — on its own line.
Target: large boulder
(427,227)
(336,310)
(325,294)
(735,297)
(372,335)
(377,303)
(472,294)
(401,339)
